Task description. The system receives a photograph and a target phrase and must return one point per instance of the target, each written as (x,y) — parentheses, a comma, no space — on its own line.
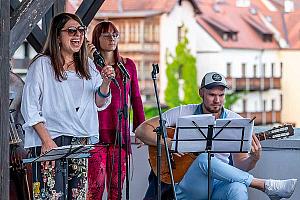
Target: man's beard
(213,110)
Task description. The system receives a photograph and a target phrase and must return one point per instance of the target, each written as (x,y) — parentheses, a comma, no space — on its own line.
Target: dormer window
(225,32)
(267,37)
(261,29)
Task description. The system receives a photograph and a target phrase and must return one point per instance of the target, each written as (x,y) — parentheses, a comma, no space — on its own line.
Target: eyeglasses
(72,31)
(114,35)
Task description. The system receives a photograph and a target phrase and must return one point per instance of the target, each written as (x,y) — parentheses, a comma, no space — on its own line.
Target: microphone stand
(123,112)
(161,131)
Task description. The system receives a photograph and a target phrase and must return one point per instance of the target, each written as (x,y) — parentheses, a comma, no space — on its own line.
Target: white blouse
(47,100)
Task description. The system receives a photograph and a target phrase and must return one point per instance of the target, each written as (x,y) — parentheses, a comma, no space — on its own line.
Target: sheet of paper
(237,135)
(188,128)
(235,138)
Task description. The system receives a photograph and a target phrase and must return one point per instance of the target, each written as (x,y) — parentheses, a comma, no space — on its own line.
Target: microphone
(99,60)
(123,70)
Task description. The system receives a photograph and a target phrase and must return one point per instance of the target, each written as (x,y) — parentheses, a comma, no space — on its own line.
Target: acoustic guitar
(181,164)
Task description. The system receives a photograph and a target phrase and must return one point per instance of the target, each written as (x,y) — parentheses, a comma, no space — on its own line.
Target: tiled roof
(137,5)
(293,27)
(220,14)
(133,6)
(240,19)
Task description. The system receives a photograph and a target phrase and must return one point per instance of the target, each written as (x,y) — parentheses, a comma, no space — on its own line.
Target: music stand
(63,153)
(214,138)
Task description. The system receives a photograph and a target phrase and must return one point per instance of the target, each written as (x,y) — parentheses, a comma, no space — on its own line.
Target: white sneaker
(277,189)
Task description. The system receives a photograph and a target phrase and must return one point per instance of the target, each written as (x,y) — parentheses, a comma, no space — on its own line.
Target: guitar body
(179,164)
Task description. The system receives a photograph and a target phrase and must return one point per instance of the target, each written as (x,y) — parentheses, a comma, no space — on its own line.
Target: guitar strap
(199,111)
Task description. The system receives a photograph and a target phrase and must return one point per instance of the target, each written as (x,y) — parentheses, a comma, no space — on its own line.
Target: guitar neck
(276,133)
(262,136)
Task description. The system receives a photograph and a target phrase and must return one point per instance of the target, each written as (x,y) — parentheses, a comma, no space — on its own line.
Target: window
(272,69)
(122,31)
(139,69)
(264,105)
(180,33)
(234,37)
(254,71)
(156,33)
(225,36)
(267,37)
(243,70)
(273,104)
(133,32)
(281,68)
(151,32)
(263,70)
(228,68)
(244,105)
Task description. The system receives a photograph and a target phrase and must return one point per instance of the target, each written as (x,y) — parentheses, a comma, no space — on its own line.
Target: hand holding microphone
(107,71)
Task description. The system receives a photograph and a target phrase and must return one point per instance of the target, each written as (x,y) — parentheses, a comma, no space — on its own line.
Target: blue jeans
(227,181)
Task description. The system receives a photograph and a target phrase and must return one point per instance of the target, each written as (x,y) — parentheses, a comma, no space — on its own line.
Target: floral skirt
(65,177)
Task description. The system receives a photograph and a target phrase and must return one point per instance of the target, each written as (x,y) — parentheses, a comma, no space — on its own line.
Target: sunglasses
(113,35)
(72,31)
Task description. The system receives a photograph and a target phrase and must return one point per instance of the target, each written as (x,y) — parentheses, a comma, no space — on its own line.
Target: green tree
(183,66)
(232,98)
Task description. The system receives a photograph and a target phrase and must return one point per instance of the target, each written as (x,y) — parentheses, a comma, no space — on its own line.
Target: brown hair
(52,49)
(103,27)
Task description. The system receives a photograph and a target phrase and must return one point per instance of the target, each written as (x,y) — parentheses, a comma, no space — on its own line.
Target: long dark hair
(52,49)
(103,27)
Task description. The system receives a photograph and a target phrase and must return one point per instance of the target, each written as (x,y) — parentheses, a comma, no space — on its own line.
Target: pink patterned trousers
(103,168)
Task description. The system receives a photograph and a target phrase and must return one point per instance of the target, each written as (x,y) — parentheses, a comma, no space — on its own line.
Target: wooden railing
(254,84)
(263,118)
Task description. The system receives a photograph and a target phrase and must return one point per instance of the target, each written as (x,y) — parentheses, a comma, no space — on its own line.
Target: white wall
(169,22)
(290,87)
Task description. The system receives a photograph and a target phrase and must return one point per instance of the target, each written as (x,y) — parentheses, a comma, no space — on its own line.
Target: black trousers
(151,193)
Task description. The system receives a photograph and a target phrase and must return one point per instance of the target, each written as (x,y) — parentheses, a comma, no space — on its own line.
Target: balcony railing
(263,118)
(254,84)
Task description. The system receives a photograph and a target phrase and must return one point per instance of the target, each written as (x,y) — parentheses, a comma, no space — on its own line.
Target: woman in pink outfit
(103,165)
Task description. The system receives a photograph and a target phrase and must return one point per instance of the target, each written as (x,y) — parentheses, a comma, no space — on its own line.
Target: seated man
(228,182)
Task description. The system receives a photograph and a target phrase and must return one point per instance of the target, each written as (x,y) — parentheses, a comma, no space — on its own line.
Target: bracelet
(103,95)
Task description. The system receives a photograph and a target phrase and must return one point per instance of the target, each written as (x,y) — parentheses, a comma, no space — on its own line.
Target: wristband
(103,95)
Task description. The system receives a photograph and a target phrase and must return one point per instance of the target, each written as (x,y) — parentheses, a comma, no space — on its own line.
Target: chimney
(289,6)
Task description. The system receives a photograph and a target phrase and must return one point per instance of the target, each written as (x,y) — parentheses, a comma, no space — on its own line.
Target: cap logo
(216,77)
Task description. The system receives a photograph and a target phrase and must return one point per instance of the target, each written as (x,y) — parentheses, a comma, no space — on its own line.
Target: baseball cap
(213,79)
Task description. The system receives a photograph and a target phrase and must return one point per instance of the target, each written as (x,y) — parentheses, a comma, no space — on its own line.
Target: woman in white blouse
(63,92)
